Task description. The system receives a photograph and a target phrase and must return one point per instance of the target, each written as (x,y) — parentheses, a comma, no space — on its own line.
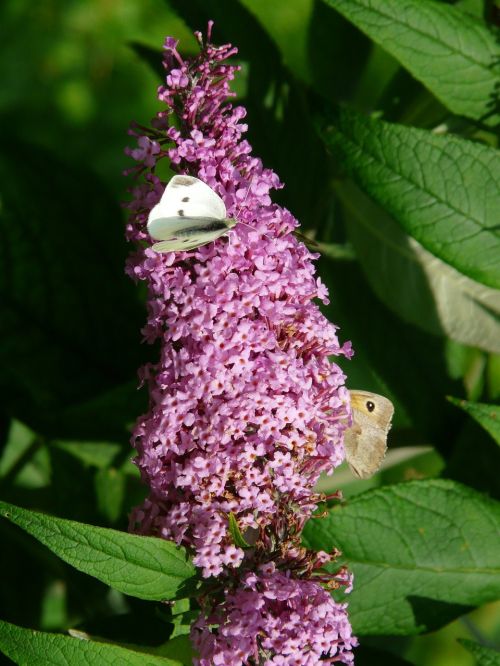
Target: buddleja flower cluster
(246,410)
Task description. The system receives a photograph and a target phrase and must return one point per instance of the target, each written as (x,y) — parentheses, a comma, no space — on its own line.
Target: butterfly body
(189,214)
(366,441)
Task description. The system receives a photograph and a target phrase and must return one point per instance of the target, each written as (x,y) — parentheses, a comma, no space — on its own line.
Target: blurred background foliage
(74,74)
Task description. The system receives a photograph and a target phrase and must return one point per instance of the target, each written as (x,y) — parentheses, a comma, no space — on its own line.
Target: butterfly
(189,214)
(366,441)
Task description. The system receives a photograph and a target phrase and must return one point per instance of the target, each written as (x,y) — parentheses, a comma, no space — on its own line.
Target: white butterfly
(189,214)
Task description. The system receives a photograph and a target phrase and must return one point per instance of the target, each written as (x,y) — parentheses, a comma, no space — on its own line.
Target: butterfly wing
(174,245)
(189,233)
(184,198)
(366,441)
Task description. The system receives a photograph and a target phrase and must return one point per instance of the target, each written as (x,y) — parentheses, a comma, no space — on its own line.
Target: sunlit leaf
(422,553)
(452,53)
(485,656)
(441,189)
(144,567)
(28,647)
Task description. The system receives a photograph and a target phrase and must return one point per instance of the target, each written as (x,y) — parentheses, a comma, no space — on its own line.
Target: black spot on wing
(180,213)
(185,199)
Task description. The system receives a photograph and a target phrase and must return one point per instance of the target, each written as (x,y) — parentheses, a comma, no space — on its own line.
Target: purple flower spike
(245,410)
(272,619)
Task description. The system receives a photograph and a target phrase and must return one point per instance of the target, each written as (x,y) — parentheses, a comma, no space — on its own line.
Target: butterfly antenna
(241,208)
(245,198)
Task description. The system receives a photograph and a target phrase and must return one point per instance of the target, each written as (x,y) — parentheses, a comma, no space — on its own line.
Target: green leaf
(28,647)
(485,656)
(493,377)
(110,492)
(487,416)
(70,317)
(450,52)
(473,7)
(441,189)
(422,553)
(53,611)
(25,460)
(179,647)
(18,444)
(415,284)
(95,454)
(182,623)
(144,567)
(235,531)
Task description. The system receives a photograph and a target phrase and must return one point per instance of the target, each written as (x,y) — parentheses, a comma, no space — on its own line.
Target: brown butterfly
(366,441)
